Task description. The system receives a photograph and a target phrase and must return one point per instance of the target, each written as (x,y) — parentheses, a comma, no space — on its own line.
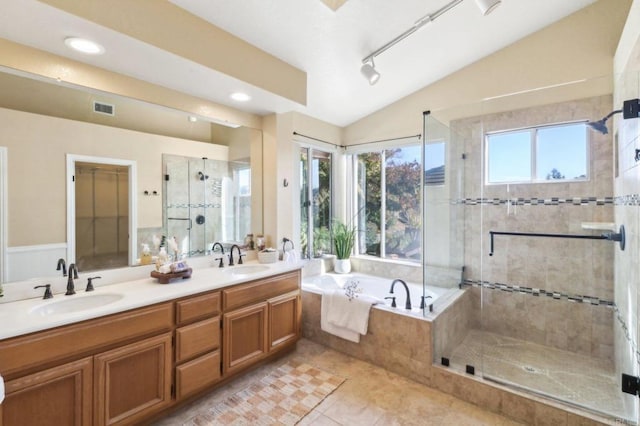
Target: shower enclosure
(205,201)
(549,306)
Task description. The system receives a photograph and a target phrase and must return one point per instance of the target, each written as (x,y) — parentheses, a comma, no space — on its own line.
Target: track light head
(488,6)
(369,72)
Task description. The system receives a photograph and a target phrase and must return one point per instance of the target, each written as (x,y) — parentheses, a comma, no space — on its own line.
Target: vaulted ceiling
(280,48)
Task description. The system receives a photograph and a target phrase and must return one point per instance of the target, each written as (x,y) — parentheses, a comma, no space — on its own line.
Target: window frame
(331,152)
(533,142)
(380,148)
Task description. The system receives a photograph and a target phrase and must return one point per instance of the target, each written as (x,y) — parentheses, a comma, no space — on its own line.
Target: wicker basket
(267,256)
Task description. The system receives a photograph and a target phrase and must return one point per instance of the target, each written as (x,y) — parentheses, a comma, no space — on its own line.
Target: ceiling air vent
(102,108)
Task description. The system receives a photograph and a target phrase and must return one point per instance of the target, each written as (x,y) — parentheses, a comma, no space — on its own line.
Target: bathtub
(378,288)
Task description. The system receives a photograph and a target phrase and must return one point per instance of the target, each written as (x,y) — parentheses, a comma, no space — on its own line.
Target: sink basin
(247,270)
(74,304)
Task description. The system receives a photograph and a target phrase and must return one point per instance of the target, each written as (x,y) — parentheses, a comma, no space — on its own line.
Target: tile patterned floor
(369,396)
(578,379)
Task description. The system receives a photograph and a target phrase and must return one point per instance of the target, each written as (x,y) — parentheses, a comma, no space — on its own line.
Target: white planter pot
(342,266)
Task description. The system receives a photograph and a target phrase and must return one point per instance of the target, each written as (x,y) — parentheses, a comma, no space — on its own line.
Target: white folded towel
(345,318)
(1,389)
(325,325)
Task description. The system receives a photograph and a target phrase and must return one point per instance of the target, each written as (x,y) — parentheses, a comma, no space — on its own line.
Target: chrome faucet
(213,249)
(73,273)
(240,254)
(407,305)
(62,265)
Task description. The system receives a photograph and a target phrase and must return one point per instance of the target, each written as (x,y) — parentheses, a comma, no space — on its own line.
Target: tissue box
(267,256)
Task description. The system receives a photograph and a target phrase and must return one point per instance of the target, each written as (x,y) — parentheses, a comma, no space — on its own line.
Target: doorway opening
(101,213)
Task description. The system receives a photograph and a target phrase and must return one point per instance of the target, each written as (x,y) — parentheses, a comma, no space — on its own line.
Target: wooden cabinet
(197,344)
(260,317)
(133,381)
(284,320)
(245,337)
(62,395)
(120,369)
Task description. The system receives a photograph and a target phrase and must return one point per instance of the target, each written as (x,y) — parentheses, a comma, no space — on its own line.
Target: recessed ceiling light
(84,46)
(240,97)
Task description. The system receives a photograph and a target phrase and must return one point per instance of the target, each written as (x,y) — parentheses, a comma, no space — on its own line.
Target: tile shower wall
(564,267)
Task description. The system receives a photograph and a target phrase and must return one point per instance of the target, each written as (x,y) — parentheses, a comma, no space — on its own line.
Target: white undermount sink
(72,304)
(247,269)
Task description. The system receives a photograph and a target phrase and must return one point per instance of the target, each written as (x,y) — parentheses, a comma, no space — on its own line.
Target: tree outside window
(388,194)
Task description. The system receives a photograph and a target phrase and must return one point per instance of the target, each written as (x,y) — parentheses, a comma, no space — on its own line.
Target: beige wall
(281,203)
(37,147)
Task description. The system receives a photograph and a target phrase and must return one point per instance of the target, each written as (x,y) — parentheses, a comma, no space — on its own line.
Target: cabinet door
(58,396)
(245,337)
(133,381)
(284,320)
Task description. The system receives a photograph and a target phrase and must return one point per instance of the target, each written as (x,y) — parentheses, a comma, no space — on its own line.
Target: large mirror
(51,132)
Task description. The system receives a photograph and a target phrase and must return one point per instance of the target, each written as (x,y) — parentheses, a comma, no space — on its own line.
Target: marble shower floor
(369,396)
(577,379)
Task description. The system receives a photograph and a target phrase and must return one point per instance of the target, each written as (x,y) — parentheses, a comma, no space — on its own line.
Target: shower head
(601,125)
(630,109)
(202,176)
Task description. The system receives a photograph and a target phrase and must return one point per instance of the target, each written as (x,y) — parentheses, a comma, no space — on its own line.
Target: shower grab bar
(611,236)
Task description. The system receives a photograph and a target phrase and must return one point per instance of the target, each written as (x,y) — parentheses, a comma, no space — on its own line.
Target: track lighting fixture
(487,6)
(368,67)
(369,72)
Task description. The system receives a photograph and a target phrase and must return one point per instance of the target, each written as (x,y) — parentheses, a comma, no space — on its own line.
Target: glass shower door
(554,314)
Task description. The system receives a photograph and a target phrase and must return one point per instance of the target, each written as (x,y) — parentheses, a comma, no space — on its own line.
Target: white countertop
(17,319)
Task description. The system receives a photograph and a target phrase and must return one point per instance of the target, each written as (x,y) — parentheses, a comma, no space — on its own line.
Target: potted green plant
(344,237)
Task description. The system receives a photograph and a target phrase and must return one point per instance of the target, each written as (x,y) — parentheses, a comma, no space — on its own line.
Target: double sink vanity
(127,353)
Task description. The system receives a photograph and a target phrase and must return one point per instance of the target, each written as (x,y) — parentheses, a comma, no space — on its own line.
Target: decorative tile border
(628,200)
(194,206)
(622,200)
(538,292)
(553,201)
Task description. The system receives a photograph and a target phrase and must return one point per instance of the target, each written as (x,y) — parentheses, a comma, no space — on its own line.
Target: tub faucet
(423,303)
(407,305)
(213,249)
(62,265)
(73,273)
(240,254)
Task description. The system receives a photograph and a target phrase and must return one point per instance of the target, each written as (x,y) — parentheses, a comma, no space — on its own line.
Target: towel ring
(284,244)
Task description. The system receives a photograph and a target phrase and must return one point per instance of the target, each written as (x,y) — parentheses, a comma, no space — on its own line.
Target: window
(388,202)
(539,154)
(434,164)
(315,202)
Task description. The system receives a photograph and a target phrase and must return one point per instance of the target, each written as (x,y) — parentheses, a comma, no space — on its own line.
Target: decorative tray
(165,278)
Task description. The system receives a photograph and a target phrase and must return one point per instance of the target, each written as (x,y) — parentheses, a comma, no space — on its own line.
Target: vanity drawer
(198,338)
(197,374)
(259,291)
(197,307)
